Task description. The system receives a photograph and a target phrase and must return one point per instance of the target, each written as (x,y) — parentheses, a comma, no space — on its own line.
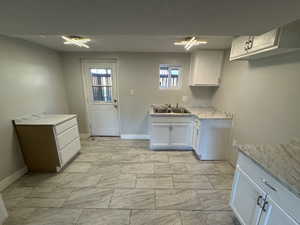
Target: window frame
(90,80)
(170,67)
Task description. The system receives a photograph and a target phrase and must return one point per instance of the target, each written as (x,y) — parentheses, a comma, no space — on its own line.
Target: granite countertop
(282,161)
(209,113)
(199,112)
(43,119)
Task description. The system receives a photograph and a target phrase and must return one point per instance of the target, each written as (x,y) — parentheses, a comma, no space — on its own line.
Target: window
(102,84)
(169,77)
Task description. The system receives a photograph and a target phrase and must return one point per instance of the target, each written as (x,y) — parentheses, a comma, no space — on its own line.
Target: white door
(160,135)
(102,98)
(274,215)
(238,47)
(181,134)
(246,199)
(266,40)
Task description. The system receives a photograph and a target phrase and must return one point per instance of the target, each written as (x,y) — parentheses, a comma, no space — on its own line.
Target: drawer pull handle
(269,185)
(258,201)
(265,206)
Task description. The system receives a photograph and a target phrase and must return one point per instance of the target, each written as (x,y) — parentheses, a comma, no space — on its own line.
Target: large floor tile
(133,199)
(176,199)
(213,199)
(204,218)
(138,168)
(79,180)
(170,168)
(89,198)
(40,203)
(155,217)
(191,181)
(13,195)
(157,157)
(78,167)
(184,157)
(202,168)
(117,181)
(53,217)
(50,192)
(221,181)
(17,216)
(104,217)
(154,181)
(94,156)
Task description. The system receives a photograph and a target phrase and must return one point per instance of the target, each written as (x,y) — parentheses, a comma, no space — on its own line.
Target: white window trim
(179,80)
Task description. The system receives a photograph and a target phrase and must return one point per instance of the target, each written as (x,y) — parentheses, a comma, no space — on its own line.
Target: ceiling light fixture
(190,42)
(76,40)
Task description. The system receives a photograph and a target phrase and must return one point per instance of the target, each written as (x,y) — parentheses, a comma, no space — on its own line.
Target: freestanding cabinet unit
(48,142)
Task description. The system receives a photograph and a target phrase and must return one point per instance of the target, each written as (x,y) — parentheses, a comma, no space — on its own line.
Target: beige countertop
(43,119)
(282,161)
(199,112)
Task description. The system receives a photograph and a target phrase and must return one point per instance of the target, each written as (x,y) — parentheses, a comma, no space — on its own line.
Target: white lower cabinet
(247,198)
(171,133)
(274,215)
(258,199)
(196,134)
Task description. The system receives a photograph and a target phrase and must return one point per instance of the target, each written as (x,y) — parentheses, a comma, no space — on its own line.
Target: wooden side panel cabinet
(206,67)
(48,144)
(257,198)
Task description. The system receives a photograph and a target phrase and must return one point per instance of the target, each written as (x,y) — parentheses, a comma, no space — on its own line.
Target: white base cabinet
(259,199)
(170,133)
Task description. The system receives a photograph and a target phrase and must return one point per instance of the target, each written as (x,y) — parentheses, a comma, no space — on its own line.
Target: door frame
(84,62)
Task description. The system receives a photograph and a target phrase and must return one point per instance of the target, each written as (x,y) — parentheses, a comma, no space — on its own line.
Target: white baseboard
(12,178)
(84,135)
(135,136)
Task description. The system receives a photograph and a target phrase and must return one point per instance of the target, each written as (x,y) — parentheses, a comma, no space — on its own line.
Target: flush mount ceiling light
(76,40)
(190,42)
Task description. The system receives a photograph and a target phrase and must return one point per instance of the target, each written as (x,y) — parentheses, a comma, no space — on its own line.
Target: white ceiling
(142,25)
(129,43)
(145,17)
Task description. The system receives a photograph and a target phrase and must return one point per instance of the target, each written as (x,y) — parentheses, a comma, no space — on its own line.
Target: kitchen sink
(165,109)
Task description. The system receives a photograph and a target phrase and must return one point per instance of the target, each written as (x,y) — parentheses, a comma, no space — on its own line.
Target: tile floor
(121,182)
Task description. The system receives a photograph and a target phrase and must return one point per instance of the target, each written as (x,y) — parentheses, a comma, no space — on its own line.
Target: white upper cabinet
(276,41)
(206,67)
(238,47)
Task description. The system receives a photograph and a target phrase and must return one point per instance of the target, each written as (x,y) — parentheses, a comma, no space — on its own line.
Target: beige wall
(138,71)
(265,96)
(30,81)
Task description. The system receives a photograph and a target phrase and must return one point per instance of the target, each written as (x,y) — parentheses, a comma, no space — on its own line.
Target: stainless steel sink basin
(165,109)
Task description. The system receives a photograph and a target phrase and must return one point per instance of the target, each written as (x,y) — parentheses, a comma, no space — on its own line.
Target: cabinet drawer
(171,119)
(67,136)
(277,192)
(64,126)
(69,151)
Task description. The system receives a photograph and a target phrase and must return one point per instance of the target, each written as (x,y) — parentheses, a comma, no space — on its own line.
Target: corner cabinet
(206,67)
(170,132)
(277,41)
(259,199)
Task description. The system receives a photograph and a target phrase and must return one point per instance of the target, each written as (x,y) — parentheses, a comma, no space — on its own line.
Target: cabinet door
(181,134)
(274,215)
(238,47)
(264,41)
(160,134)
(196,134)
(246,198)
(206,68)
